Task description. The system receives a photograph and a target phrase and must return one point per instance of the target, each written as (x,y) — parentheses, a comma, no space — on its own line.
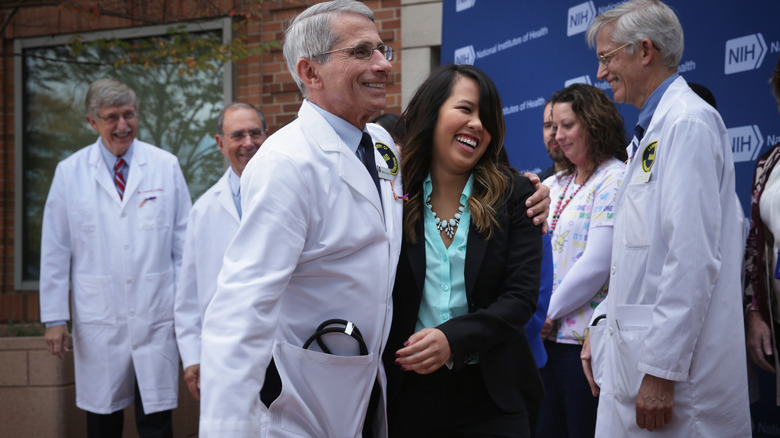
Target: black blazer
(502,287)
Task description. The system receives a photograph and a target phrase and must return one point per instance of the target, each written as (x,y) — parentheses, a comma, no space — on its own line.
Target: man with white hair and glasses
(666,347)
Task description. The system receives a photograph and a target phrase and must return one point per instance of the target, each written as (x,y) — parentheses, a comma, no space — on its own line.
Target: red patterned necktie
(119,179)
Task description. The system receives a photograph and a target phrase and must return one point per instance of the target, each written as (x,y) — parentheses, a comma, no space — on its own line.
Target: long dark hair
(491,175)
(600,118)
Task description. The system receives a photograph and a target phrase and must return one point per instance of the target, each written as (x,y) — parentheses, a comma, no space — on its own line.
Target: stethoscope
(336,326)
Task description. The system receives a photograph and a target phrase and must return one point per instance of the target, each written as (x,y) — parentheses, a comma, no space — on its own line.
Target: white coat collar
(224,194)
(321,134)
(104,178)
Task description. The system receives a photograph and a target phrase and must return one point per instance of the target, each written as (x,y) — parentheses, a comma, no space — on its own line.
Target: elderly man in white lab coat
(213,221)
(669,356)
(113,227)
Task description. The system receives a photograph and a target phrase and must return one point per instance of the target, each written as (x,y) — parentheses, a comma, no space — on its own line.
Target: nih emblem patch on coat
(389,156)
(648,156)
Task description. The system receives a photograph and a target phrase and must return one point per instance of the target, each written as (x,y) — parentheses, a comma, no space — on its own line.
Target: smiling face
(117,136)
(622,71)
(571,136)
(351,88)
(459,140)
(242,136)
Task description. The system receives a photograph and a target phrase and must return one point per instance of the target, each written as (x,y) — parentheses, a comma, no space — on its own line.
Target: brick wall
(261,80)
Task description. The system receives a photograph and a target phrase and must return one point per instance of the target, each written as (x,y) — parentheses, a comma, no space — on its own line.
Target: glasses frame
(254,134)
(607,57)
(133,115)
(387,53)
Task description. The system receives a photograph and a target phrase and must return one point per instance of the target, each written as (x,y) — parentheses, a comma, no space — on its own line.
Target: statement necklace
(561,204)
(447,226)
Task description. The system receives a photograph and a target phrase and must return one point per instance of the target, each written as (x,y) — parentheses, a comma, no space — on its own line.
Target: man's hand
(425,352)
(57,339)
(586,366)
(654,403)
(759,341)
(192,377)
(539,203)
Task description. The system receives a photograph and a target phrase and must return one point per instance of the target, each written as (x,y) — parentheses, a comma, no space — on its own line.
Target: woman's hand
(425,352)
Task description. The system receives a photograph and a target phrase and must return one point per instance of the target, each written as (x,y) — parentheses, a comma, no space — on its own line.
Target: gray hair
(639,19)
(108,92)
(311,33)
(236,105)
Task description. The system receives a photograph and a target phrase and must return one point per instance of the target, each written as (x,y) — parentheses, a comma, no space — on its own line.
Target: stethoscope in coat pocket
(336,326)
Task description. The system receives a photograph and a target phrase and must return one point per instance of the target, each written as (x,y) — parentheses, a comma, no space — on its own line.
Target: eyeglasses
(605,58)
(254,134)
(129,116)
(365,51)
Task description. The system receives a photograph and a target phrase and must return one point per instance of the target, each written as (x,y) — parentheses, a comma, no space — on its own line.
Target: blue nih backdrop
(533,48)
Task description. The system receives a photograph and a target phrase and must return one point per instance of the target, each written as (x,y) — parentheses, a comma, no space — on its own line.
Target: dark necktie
(639,132)
(119,178)
(367,155)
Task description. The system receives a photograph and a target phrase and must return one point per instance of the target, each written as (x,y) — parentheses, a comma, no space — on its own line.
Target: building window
(177,113)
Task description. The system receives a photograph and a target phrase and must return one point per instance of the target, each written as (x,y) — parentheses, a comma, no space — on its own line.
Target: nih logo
(744,53)
(746,143)
(462,5)
(465,55)
(580,17)
(578,80)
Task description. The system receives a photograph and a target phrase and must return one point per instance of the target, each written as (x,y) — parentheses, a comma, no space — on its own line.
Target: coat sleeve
(687,245)
(518,289)
(182,211)
(241,320)
(55,252)
(186,308)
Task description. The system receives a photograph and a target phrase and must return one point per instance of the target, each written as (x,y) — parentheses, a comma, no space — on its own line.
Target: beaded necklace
(561,204)
(447,226)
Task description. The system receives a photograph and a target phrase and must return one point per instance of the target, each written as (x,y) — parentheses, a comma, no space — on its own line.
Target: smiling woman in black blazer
(457,358)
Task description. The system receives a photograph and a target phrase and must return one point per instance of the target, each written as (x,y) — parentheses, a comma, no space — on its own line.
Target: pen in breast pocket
(151,198)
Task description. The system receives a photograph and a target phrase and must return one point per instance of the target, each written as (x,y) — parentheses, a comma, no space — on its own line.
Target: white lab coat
(674,308)
(122,257)
(211,226)
(315,243)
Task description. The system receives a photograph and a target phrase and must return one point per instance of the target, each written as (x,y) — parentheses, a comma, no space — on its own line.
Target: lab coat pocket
(599,342)
(626,376)
(156,294)
(152,212)
(637,198)
(92,299)
(322,394)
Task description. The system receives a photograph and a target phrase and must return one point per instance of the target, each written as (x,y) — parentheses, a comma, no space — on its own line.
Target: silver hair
(108,92)
(236,105)
(311,33)
(639,19)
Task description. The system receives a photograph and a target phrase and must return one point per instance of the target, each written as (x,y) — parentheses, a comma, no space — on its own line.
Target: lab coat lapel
(225,196)
(350,169)
(101,173)
(475,252)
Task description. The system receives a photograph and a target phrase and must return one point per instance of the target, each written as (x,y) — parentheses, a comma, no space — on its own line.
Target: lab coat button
(127,247)
(613,269)
(446,287)
(123,215)
(129,281)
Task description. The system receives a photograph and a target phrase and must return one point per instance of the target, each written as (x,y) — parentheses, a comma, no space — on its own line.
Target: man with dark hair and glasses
(213,221)
(111,245)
